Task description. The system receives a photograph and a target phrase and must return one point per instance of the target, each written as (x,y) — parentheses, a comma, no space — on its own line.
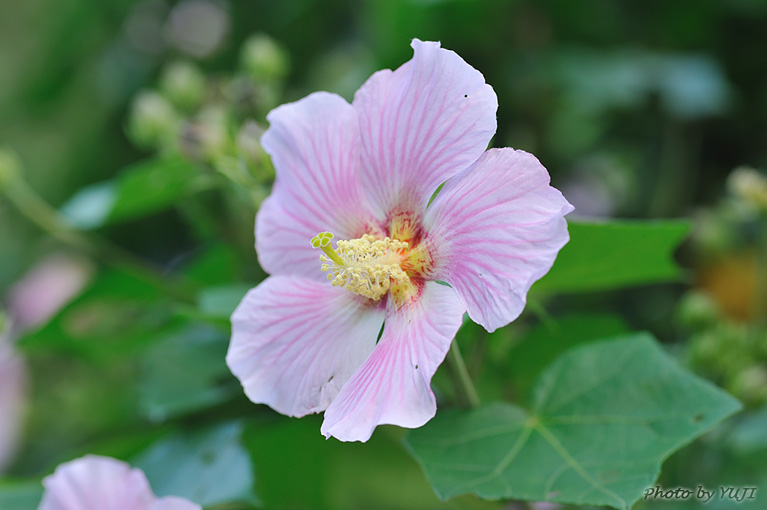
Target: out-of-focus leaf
(690,86)
(20,495)
(216,265)
(603,419)
(542,344)
(116,314)
(734,454)
(220,302)
(184,372)
(749,436)
(141,189)
(209,467)
(299,470)
(602,256)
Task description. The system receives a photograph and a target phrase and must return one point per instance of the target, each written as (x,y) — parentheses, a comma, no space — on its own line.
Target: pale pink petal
(46,288)
(421,124)
(174,503)
(314,145)
(393,385)
(96,483)
(494,230)
(12,399)
(295,342)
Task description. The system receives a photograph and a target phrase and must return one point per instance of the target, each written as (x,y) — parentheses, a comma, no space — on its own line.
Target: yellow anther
(366,266)
(322,241)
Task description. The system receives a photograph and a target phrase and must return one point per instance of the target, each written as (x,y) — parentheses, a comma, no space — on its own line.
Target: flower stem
(464,379)
(39,212)
(540,312)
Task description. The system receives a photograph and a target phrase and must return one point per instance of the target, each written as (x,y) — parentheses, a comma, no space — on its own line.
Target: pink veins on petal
(353,246)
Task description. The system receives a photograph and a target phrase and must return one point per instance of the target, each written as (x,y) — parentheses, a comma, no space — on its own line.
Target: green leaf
(749,435)
(117,314)
(219,302)
(602,256)
(20,495)
(186,372)
(543,343)
(216,265)
(209,467)
(299,470)
(139,190)
(603,419)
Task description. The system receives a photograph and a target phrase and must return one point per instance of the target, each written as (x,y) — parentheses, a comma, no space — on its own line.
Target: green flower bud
(713,233)
(153,121)
(697,310)
(213,128)
(263,59)
(183,84)
(751,384)
(749,187)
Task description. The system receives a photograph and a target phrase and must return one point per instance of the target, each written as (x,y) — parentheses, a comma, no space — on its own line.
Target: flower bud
(750,384)
(153,121)
(213,126)
(697,310)
(263,59)
(183,84)
(749,187)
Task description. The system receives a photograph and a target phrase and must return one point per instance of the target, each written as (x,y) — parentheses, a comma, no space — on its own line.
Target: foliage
(135,145)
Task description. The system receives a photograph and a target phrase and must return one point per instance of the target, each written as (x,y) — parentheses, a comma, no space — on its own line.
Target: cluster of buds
(726,313)
(206,118)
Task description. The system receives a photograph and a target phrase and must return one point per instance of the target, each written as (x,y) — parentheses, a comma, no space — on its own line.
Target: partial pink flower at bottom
(12,400)
(102,483)
(360,333)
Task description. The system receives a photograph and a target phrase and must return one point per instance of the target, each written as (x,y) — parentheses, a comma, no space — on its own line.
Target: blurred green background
(637,109)
(663,97)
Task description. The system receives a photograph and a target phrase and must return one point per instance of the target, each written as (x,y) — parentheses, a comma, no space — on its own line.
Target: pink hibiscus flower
(366,172)
(102,483)
(12,399)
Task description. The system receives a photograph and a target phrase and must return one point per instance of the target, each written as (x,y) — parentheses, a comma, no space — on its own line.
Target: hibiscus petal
(296,341)
(174,503)
(393,385)
(12,399)
(314,145)
(494,230)
(96,483)
(421,124)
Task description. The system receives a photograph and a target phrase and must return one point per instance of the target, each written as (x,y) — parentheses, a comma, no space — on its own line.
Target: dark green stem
(463,381)
(38,211)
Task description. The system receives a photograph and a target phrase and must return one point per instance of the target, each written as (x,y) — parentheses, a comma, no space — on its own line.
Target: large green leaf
(141,189)
(543,343)
(210,467)
(603,256)
(604,417)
